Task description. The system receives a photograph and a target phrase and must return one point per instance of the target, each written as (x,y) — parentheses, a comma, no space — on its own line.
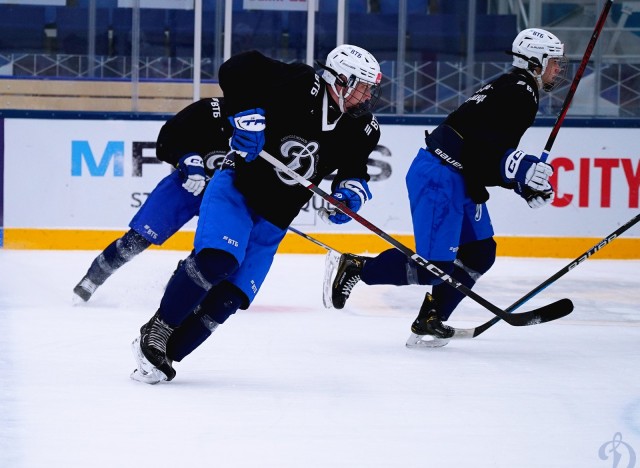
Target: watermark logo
(618,452)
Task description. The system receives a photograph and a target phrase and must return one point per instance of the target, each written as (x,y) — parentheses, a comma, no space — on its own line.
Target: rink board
(75,183)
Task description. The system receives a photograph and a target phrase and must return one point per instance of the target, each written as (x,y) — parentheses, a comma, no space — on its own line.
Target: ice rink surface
(289,383)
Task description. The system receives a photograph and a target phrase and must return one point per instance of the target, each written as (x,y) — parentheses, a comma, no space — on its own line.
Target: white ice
(288,383)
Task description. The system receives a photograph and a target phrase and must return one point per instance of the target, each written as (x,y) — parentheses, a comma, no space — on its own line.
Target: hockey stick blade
(518,319)
(473,332)
(543,314)
(547,313)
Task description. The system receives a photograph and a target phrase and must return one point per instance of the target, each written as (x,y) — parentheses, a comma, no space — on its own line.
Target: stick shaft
(576,80)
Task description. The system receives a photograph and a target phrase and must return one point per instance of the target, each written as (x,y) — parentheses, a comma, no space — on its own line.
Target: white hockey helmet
(347,65)
(532,48)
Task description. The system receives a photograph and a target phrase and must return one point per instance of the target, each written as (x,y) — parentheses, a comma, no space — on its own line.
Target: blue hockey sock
(192,280)
(474,260)
(119,252)
(221,301)
(394,267)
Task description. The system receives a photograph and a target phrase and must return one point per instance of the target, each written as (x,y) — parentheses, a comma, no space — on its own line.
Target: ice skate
(95,277)
(84,290)
(330,266)
(347,276)
(427,330)
(145,371)
(150,352)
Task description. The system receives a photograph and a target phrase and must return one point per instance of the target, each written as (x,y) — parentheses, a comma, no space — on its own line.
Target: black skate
(95,277)
(347,276)
(85,289)
(428,325)
(150,351)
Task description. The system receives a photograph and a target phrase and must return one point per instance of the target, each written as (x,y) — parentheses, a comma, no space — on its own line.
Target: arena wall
(73,181)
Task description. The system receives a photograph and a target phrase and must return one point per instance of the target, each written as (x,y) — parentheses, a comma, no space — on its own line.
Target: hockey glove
(192,168)
(525,169)
(248,133)
(353,193)
(535,198)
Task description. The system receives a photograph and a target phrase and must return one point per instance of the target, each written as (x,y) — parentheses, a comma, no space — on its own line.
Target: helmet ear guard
(532,62)
(331,76)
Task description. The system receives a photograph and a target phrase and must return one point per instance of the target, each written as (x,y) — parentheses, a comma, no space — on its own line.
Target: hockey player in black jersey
(194,141)
(474,148)
(316,124)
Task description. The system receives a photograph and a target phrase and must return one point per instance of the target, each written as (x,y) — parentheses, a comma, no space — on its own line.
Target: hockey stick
(473,332)
(576,79)
(333,255)
(543,314)
(312,239)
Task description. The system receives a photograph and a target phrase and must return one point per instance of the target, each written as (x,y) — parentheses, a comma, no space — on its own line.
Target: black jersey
(200,128)
(301,131)
(491,122)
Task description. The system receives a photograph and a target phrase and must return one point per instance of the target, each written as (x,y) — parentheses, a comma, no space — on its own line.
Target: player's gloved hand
(353,193)
(517,166)
(248,133)
(536,198)
(192,168)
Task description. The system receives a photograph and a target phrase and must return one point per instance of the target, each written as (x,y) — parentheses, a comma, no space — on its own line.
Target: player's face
(553,70)
(360,93)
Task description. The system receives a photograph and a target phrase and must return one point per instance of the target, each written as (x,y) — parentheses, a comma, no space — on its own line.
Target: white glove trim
(537,176)
(356,187)
(250,123)
(512,163)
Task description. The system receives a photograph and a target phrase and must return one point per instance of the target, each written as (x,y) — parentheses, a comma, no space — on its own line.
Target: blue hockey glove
(192,168)
(536,198)
(525,169)
(353,193)
(248,133)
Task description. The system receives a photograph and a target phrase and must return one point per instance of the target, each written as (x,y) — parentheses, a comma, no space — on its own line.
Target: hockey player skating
(474,148)
(194,141)
(316,124)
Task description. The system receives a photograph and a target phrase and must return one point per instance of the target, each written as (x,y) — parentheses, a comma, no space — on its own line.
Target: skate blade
(77,300)
(147,372)
(148,378)
(80,296)
(418,341)
(330,265)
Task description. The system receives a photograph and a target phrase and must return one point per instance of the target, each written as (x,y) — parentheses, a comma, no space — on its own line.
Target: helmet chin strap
(537,77)
(340,98)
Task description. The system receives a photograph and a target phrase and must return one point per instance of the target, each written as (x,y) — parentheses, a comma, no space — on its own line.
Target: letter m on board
(81,151)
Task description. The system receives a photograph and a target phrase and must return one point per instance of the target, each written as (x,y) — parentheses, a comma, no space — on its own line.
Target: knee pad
(477,257)
(210,266)
(474,259)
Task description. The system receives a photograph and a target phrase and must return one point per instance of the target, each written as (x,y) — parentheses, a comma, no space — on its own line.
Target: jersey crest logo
(300,157)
